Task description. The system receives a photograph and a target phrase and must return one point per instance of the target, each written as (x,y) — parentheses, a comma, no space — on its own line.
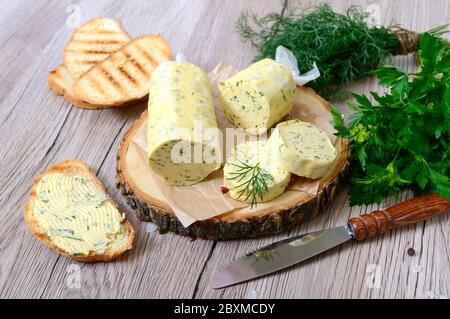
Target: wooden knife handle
(406,213)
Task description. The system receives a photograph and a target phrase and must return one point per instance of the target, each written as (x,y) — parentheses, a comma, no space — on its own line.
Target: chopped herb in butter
(181,99)
(259,96)
(302,148)
(75,214)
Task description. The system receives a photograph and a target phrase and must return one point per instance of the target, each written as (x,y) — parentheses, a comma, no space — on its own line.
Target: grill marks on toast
(146,55)
(96,41)
(122,70)
(98,31)
(102,69)
(123,76)
(108,52)
(136,63)
(61,82)
(96,85)
(93,42)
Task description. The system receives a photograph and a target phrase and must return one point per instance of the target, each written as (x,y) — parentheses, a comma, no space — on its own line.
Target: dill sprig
(253,181)
(344,46)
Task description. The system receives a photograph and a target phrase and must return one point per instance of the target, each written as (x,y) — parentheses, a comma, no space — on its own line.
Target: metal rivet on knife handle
(409,212)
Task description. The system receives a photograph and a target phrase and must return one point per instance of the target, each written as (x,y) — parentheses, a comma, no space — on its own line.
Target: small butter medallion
(302,148)
(251,175)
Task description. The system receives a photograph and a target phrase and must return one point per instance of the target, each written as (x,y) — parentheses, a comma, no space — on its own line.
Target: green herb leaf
(404,140)
(430,52)
(253,181)
(392,77)
(343,45)
(338,120)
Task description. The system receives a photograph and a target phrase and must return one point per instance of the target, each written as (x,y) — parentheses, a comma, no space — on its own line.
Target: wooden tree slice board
(292,207)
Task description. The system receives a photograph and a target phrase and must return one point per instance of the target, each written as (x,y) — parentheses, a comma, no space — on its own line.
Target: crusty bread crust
(54,79)
(80,167)
(60,82)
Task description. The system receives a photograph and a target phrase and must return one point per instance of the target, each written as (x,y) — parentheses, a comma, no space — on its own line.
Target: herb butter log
(180,104)
(258,97)
(301,148)
(252,176)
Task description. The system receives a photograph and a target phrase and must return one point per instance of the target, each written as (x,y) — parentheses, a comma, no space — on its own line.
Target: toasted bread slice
(93,42)
(125,75)
(61,82)
(69,211)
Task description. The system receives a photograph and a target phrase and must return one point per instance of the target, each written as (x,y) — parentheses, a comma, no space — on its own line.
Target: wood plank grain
(38,129)
(27,30)
(46,129)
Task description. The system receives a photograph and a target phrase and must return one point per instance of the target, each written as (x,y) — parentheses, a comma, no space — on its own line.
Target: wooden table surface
(39,129)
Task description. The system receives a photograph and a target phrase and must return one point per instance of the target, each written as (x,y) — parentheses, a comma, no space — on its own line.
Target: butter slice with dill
(301,148)
(237,173)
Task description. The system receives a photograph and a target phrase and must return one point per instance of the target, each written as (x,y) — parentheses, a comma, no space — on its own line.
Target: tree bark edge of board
(216,229)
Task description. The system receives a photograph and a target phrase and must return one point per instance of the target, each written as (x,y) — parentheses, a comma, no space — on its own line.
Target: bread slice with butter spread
(69,210)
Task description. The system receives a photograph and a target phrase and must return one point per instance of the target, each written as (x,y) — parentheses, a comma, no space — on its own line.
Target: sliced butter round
(258,97)
(237,173)
(301,148)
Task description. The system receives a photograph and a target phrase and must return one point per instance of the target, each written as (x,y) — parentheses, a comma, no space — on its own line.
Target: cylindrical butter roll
(258,97)
(183,141)
(301,148)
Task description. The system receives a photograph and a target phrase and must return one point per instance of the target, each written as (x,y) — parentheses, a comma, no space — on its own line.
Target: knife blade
(291,251)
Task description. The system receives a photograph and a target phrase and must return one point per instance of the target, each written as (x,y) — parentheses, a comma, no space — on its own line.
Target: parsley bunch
(404,139)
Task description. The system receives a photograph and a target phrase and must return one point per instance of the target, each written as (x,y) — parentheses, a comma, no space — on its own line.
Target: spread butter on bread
(69,210)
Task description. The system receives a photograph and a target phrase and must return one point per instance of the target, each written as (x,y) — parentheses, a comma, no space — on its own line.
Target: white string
(180,57)
(288,59)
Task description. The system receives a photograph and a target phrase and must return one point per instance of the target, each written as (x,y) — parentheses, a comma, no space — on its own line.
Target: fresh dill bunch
(344,46)
(253,181)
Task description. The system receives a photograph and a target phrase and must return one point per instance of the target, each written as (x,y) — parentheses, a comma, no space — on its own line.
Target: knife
(293,250)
